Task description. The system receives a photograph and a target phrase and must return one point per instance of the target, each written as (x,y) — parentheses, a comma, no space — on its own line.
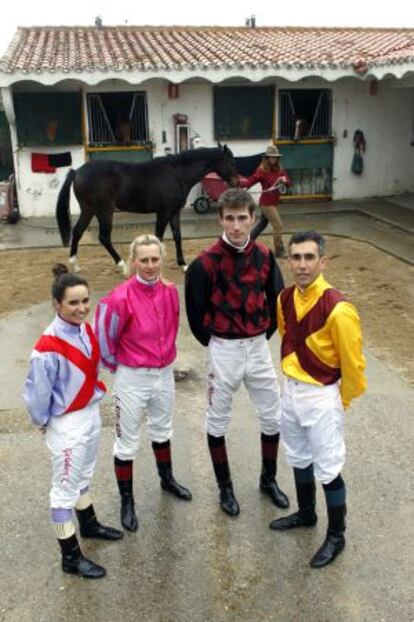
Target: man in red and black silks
(323,368)
(231,291)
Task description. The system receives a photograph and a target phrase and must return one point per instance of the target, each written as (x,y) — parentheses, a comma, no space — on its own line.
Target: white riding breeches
(312,428)
(73,441)
(137,392)
(231,362)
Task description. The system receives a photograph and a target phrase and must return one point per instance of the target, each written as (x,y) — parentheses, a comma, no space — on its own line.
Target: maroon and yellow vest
(296,333)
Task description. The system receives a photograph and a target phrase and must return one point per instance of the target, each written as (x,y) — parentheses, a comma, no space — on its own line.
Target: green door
(309,164)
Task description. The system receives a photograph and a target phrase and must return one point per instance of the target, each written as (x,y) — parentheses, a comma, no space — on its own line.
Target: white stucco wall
(196,101)
(385,118)
(38,192)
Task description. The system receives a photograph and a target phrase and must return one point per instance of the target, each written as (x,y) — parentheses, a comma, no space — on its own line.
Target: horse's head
(301,128)
(226,166)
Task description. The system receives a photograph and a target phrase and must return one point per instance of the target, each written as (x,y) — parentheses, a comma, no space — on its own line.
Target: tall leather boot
(123,473)
(218,453)
(91,528)
(306,496)
(162,453)
(334,543)
(73,562)
(268,484)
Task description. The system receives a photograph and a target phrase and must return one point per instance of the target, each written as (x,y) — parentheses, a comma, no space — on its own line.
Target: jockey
(62,393)
(137,326)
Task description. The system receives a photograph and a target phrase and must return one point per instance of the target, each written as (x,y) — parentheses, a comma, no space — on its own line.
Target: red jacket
(267,179)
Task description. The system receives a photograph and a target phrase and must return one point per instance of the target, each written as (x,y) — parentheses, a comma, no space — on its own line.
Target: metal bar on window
(138,118)
(315,114)
(100,130)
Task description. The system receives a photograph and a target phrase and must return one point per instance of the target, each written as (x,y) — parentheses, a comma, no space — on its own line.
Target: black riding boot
(268,484)
(306,496)
(123,472)
(335,495)
(162,453)
(73,562)
(218,453)
(91,528)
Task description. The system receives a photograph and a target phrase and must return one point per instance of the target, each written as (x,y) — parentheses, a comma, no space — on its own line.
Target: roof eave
(215,75)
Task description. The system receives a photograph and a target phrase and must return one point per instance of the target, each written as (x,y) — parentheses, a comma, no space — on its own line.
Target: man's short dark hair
(234,198)
(309,236)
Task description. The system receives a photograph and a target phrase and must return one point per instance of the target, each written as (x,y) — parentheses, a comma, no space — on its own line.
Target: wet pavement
(387,223)
(189,562)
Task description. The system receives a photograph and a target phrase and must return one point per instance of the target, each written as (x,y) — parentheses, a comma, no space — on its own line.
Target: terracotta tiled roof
(128,48)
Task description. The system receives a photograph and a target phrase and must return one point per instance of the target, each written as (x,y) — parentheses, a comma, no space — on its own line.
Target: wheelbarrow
(212,186)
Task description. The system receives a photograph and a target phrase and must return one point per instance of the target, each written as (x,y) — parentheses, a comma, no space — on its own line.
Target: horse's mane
(192,155)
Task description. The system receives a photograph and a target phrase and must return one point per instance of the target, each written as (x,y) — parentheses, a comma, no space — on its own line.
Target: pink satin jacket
(137,324)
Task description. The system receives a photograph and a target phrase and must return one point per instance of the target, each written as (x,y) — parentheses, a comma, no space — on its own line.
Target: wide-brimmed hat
(273,152)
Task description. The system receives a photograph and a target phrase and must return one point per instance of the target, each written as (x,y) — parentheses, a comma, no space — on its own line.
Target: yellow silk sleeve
(280,318)
(345,329)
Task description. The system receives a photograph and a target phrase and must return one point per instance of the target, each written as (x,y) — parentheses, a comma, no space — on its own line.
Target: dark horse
(161,186)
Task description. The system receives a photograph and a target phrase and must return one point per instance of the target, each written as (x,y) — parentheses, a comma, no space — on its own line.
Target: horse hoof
(184,268)
(75,266)
(121,267)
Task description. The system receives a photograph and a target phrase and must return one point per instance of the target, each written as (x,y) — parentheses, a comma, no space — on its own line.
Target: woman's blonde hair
(142,240)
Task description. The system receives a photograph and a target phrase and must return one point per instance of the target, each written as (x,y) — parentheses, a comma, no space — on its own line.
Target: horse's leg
(105,230)
(160,225)
(78,230)
(176,231)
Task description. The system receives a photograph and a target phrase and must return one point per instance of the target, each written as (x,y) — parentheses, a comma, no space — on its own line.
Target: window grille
(305,113)
(117,119)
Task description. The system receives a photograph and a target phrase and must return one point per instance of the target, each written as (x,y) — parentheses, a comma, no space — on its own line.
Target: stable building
(71,94)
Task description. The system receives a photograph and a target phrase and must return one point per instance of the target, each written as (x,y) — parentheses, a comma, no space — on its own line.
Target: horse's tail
(62,208)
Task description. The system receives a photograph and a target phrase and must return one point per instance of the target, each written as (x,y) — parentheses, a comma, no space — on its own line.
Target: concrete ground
(189,562)
(387,223)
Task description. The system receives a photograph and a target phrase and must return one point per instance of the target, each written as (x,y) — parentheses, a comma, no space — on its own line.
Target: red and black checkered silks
(238,306)
(296,333)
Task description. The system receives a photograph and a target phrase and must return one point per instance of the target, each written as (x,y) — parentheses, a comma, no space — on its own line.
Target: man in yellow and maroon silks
(323,368)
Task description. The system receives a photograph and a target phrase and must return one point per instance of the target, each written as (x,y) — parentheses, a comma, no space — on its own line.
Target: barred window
(305,113)
(117,119)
